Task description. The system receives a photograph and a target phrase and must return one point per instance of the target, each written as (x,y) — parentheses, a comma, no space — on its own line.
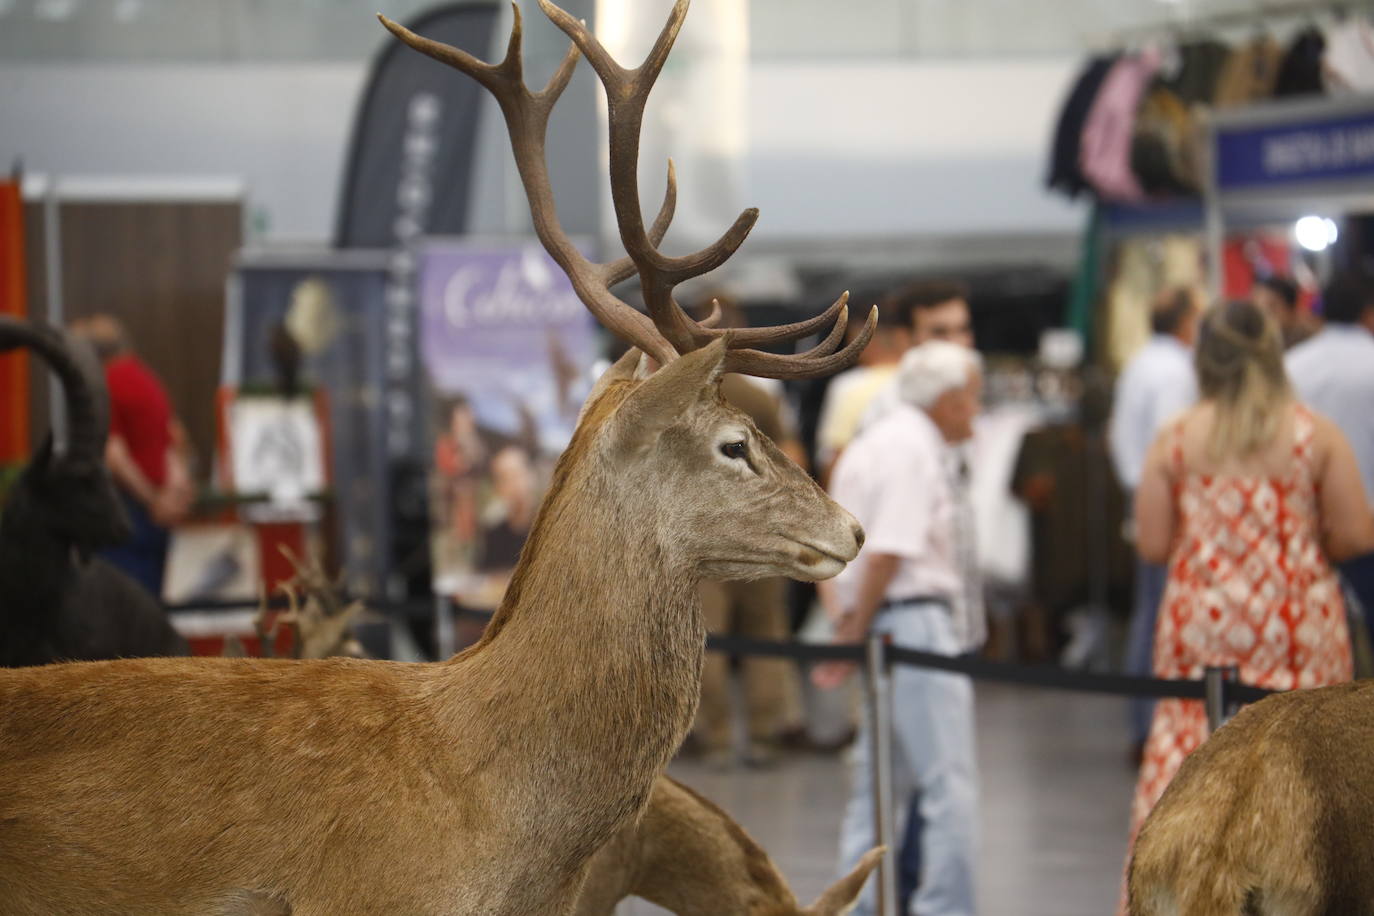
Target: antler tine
(622,269)
(489,75)
(527,118)
(713,319)
(816,362)
(745,337)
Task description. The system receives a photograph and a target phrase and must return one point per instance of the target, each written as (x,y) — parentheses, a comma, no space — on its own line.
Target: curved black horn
(83,382)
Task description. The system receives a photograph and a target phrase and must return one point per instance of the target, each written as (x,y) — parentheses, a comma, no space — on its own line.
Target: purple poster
(507,349)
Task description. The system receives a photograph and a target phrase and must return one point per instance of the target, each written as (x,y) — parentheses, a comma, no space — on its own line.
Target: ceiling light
(1315,233)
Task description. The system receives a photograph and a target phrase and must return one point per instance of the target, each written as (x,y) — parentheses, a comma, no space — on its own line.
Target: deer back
(1274,807)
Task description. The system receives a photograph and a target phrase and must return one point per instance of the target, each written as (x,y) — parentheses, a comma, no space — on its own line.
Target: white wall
(837,149)
(906,148)
(283,128)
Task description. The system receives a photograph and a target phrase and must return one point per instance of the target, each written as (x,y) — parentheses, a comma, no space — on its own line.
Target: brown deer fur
(480,785)
(689,857)
(1273,815)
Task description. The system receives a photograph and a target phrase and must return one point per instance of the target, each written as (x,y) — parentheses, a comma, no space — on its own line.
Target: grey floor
(1055,796)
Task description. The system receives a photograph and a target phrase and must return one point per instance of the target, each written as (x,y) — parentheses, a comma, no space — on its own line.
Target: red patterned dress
(1248,586)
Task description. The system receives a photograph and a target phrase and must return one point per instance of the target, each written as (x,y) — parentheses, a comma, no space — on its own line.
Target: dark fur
(57,602)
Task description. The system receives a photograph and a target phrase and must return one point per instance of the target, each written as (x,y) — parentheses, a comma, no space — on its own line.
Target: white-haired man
(900,478)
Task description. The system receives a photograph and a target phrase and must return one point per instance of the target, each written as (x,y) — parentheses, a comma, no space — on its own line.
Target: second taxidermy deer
(684,853)
(482,784)
(1272,816)
(691,858)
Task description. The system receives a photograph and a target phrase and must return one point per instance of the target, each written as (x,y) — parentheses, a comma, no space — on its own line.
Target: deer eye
(734,450)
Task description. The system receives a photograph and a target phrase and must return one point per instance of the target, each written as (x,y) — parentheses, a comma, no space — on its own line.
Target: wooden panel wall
(160,268)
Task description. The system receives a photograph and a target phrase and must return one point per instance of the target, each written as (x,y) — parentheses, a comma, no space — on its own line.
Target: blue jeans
(1150,579)
(1358,575)
(934,755)
(144,555)
(909,856)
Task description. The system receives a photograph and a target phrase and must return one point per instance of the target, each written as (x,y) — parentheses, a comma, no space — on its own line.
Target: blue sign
(1274,155)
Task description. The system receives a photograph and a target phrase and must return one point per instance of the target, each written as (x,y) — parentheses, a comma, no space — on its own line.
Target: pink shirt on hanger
(1105,148)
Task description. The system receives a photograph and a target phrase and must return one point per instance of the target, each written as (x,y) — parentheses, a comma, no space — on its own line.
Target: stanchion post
(445,635)
(878,676)
(1220,706)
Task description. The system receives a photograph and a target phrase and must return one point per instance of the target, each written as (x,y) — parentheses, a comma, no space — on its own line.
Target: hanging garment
(1164,146)
(1105,149)
(1064,174)
(1300,73)
(1065,476)
(1143,267)
(1200,66)
(1348,64)
(1250,73)
(1249,585)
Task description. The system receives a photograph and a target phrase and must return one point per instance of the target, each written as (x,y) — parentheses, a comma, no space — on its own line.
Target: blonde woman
(1249,497)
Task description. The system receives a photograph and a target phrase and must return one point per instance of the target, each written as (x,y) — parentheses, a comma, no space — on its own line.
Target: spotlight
(1315,233)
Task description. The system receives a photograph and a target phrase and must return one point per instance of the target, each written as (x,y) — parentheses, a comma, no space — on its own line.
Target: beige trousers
(757,610)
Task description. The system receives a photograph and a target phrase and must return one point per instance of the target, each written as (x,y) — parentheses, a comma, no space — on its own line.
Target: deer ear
(662,398)
(622,370)
(841,895)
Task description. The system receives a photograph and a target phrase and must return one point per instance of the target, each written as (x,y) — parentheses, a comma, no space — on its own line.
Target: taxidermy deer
(57,601)
(1273,815)
(482,784)
(689,857)
(318,619)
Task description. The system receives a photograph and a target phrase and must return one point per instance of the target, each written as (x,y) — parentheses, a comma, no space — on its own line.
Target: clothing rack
(1256,14)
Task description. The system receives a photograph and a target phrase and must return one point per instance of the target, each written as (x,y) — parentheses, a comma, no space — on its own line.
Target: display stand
(340,296)
(1283,160)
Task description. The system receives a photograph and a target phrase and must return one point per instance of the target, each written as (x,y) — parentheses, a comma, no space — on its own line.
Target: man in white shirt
(1157,384)
(1333,371)
(900,478)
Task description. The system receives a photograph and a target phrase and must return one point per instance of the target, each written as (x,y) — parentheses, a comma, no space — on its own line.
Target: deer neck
(588,677)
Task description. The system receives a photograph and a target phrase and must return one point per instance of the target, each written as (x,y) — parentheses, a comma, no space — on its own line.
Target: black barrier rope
(1044,676)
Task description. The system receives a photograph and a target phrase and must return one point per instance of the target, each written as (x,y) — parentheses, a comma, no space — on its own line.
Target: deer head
(729,503)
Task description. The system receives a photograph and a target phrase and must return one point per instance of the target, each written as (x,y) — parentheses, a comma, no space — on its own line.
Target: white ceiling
(339,30)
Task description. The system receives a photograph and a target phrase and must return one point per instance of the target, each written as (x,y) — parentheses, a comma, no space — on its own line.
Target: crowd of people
(1241,435)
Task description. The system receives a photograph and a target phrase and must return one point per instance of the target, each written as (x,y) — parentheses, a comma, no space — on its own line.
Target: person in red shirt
(145,452)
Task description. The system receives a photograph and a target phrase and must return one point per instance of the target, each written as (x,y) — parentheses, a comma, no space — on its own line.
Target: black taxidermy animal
(57,601)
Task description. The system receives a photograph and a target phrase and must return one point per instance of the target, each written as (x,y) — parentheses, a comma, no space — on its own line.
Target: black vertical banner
(408,174)
(415,135)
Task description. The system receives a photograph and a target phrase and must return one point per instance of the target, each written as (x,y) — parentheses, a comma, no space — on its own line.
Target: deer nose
(858,536)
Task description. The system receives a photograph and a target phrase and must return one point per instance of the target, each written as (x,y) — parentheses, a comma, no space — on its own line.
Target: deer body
(482,785)
(479,785)
(1272,816)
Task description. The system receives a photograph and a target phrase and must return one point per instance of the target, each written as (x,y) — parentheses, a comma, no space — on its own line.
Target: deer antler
(667,331)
